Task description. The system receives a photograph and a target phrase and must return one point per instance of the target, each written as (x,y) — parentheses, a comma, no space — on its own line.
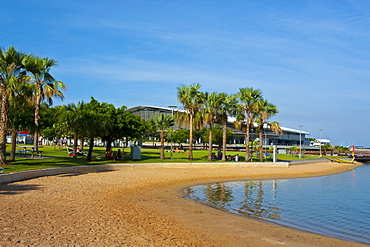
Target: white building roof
(285,129)
(230,119)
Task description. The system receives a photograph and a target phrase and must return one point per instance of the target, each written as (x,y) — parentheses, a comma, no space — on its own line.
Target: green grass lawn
(56,157)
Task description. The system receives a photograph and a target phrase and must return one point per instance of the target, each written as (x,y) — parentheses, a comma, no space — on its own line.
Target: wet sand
(143,207)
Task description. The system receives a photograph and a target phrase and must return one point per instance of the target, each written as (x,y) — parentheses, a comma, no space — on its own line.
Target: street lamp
(320,141)
(172,107)
(300,141)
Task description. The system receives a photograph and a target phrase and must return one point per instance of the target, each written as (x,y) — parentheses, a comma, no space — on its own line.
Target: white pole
(172,107)
(320,141)
(300,141)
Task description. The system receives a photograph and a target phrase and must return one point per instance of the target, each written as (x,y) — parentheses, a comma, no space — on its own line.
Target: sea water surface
(336,205)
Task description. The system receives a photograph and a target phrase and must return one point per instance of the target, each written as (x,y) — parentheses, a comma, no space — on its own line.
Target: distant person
(236,158)
(219,155)
(213,156)
(108,154)
(119,154)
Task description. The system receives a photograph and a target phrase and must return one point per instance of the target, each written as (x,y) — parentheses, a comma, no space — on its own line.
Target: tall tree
(111,126)
(46,87)
(134,126)
(248,98)
(92,123)
(191,98)
(265,110)
(50,123)
(211,110)
(218,136)
(181,136)
(20,113)
(162,122)
(11,73)
(73,118)
(228,107)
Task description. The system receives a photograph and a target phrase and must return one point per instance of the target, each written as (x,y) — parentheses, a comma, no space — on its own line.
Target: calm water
(336,205)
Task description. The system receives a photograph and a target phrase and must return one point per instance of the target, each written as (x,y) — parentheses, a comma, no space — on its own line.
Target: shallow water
(336,205)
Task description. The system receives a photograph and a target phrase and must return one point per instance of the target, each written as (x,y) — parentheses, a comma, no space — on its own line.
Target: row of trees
(83,122)
(210,110)
(207,109)
(94,119)
(25,81)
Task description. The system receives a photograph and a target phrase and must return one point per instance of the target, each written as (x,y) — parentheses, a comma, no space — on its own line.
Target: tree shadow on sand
(14,189)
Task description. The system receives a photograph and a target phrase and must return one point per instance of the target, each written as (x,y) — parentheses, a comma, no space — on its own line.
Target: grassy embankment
(56,157)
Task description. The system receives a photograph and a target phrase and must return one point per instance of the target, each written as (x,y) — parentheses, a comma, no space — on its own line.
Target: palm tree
(92,122)
(162,122)
(74,120)
(341,149)
(248,98)
(211,110)
(46,87)
(265,110)
(191,99)
(11,73)
(227,108)
(20,112)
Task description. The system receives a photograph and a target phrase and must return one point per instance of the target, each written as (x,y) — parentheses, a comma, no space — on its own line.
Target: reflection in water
(258,201)
(254,205)
(218,195)
(305,204)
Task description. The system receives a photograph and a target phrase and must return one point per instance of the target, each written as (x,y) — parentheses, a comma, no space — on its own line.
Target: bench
(23,152)
(32,152)
(37,152)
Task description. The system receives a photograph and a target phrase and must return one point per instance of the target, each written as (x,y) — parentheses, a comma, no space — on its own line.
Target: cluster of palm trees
(203,108)
(25,81)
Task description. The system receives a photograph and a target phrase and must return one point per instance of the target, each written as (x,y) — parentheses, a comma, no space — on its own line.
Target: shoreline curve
(144,207)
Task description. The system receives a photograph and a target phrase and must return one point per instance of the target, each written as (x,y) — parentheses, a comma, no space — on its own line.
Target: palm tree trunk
(224,136)
(37,118)
(247,137)
(261,143)
(14,144)
(109,144)
(162,145)
(82,142)
(3,125)
(91,146)
(190,157)
(75,139)
(210,144)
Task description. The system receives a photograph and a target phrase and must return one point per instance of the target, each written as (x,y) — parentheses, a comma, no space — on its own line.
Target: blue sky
(310,58)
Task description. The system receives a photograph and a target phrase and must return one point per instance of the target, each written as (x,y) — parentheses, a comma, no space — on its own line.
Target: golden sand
(143,207)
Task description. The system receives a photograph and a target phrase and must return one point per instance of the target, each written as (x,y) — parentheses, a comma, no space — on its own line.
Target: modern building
(290,137)
(319,142)
(148,112)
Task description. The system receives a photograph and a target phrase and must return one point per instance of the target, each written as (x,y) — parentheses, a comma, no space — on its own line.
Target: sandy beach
(143,207)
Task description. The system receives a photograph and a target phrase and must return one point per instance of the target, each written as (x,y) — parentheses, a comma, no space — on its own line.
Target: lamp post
(320,141)
(300,141)
(172,108)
